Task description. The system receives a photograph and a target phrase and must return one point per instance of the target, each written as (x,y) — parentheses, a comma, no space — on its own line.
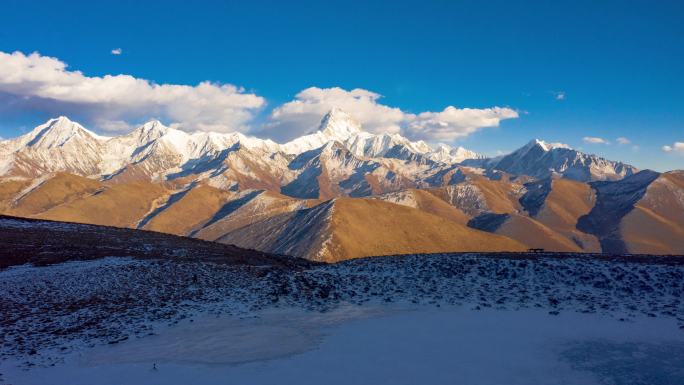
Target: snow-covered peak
(421,146)
(443,148)
(56,133)
(460,154)
(447,154)
(337,124)
(540,159)
(150,131)
(546,146)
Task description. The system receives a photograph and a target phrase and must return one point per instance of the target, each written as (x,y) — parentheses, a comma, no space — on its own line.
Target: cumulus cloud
(116,103)
(623,140)
(559,95)
(304,113)
(453,123)
(46,84)
(114,125)
(595,140)
(117,51)
(677,147)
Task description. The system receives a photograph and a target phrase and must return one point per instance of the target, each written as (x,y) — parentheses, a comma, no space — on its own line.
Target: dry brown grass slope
(656,224)
(535,234)
(431,204)
(10,188)
(347,228)
(501,196)
(121,205)
(192,209)
(364,227)
(59,189)
(565,204)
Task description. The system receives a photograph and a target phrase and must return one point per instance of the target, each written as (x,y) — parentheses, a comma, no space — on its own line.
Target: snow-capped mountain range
(340,192)
(539,159)
(338,158)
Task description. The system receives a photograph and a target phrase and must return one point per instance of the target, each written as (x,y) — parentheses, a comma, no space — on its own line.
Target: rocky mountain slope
(339,192)
(154,152)
(540,159)
(345,228)
(554,214)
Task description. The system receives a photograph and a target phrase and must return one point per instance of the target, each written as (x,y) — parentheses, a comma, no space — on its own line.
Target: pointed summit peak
(441,147)
(545,146)
(338,124)
(61,120)
(150,131)
(56,132)
(153,125)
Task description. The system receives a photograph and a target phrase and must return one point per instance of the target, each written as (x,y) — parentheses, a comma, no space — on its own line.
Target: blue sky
(617,64)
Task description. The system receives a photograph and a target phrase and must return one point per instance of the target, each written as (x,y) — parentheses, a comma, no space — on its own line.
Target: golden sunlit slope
(534,234)
(656,224)
(52,192)
(121,205)
(363,227)
(567,201)
(347,228)
(187,210)
(10,188)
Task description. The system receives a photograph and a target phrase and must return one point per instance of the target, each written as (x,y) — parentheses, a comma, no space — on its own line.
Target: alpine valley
(340,192)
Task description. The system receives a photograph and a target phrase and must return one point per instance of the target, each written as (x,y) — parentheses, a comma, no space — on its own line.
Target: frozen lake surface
(378,344)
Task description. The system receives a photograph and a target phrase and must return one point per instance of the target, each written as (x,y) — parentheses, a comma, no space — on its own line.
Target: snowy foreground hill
(437,319)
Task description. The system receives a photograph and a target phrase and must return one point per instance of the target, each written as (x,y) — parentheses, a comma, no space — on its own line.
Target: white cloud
(623,140)
(114,125)
(677,147)
(595,140)
(44,83)
(117,51)
(454,123)
(559,95)
(304,113)
(118,102)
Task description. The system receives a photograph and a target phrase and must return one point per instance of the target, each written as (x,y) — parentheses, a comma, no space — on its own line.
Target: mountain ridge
(307,197)
(159,152)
